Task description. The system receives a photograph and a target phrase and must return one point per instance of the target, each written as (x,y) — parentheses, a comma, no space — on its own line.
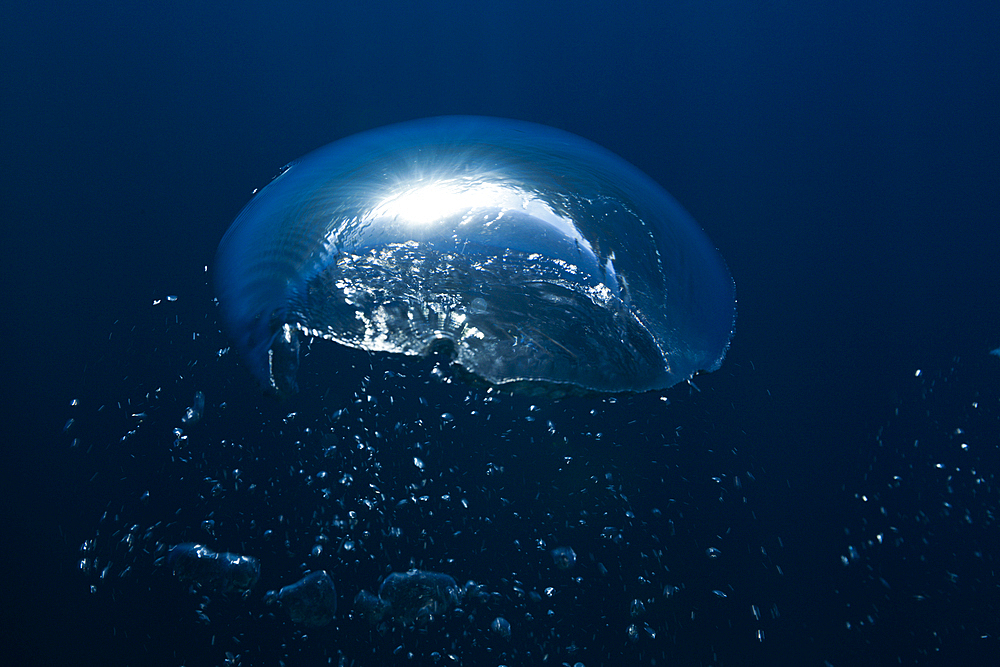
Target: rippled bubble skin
(535,258)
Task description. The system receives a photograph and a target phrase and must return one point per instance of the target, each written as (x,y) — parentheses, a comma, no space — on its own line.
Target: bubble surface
(535,259)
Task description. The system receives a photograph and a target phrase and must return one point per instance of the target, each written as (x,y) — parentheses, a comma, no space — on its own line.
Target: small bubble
(563,557)
(501,627)
(194,413)
(637,609)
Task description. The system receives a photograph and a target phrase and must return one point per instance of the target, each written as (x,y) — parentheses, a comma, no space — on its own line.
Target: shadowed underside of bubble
(536,258)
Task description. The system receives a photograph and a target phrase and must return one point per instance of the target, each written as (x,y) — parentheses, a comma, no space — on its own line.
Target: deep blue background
(843,156)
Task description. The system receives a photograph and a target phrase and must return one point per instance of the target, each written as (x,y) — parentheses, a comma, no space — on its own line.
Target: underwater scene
(571,334)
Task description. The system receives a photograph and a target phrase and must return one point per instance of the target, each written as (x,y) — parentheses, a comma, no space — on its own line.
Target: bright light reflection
(424,204)
(439,200)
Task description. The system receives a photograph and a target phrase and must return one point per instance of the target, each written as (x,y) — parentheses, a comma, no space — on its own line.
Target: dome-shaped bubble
(537,258)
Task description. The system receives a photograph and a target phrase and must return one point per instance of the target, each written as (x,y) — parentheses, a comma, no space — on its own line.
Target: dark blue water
(843,159)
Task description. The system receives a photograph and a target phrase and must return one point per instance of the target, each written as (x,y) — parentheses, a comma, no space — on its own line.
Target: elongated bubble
(538,259)
(225,571)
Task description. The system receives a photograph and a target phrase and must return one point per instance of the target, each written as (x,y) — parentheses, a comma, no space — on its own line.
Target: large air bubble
(540,260)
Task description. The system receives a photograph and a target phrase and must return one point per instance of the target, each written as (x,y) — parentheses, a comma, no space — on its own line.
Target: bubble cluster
(917,546)
(568,521)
